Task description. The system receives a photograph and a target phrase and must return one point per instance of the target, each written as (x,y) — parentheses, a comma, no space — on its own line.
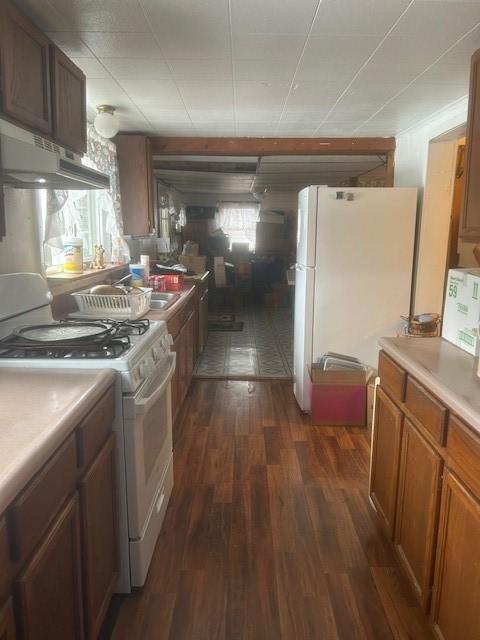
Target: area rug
(224,325)
(221,317)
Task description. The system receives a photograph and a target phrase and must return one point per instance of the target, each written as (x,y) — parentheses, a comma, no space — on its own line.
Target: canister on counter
(138,275)
(73,255)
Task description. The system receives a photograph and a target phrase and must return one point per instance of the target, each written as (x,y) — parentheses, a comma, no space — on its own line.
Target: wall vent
(46,144)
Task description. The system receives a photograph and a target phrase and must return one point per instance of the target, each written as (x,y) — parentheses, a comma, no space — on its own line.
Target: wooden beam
(390,169)
(271,146)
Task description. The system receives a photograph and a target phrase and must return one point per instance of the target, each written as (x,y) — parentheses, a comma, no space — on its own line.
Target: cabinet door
(7,622)
(203,321)
(99,537)
(176,378)
(49,591)
(386,439)
(417,510)
(25,70)
(136,183)
(69,102)
(3,226)
(190,351)
(470,226)
(456,591)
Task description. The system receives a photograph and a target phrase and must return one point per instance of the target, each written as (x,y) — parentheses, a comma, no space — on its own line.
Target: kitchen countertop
(448,371)
(185,295)
(38,410)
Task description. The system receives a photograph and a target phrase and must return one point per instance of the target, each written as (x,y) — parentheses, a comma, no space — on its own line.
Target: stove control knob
(157,352)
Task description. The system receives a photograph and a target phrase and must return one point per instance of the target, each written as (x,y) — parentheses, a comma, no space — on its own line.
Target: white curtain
(238,221)
(62,214)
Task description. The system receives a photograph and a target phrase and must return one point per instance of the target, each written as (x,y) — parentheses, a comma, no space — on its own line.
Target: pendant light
(105,123)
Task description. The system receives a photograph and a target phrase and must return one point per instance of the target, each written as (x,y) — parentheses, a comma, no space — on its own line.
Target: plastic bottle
(73,255)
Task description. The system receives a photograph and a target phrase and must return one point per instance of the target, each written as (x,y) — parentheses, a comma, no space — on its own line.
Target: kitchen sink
(163,300)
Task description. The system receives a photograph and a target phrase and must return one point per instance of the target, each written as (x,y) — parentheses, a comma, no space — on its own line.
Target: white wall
(411,162)
(434,228)
(20,249)
(412,146)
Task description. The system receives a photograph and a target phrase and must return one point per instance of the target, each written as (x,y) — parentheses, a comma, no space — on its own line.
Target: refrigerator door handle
(302,267)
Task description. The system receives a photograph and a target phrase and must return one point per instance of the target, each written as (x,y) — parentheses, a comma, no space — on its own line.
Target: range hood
(32,162)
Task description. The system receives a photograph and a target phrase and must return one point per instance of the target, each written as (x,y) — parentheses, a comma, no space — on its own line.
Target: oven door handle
(144,404)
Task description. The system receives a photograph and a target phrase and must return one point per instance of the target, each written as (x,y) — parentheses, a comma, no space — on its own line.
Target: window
(237,220)
(85,216)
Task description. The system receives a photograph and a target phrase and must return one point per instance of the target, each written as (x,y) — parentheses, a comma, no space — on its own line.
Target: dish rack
(130,306)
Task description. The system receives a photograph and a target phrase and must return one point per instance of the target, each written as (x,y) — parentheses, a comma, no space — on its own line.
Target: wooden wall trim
(270,146)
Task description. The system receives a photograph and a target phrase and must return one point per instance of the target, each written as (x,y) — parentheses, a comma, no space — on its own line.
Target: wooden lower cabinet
(185,348)
(202,321)
(456,596)
(7,622)
(434,506)
(417,510)
(49,591)
(99,536)
(386,443)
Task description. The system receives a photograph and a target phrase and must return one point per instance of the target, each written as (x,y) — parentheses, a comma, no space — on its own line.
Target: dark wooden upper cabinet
(25,70)
(136,183)
(69,102)
(470,226)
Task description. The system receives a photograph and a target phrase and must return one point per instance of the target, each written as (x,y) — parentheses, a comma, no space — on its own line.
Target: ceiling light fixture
(105,123)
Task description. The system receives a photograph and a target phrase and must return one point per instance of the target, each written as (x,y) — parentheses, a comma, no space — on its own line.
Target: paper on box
(461,317)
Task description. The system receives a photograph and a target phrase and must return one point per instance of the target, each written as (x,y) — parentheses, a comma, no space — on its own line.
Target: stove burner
(110,342)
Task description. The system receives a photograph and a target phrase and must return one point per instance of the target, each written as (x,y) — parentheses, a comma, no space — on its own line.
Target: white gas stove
(139,351)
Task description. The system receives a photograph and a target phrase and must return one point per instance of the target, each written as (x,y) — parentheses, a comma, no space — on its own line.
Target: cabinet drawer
(392,377)
(33,511)
(93,431)
(463,451)
(429,412)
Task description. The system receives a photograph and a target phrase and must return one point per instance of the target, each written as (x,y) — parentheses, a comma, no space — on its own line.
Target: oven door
(148,443)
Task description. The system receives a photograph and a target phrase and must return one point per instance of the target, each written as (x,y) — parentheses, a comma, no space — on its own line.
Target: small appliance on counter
(423,325)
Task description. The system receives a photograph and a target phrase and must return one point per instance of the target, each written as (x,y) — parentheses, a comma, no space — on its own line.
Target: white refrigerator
(355,249)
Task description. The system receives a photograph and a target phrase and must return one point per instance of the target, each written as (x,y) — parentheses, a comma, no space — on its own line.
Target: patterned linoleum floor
(264,349)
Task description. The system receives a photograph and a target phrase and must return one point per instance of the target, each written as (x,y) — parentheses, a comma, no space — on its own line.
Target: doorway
(241,225)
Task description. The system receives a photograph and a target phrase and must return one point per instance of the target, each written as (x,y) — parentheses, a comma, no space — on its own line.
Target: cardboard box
(338,398)
(193,249)
(198,264)
(461,316)
(219,272)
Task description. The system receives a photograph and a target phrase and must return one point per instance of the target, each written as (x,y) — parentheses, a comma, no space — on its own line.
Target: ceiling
(267,67)
(190,174)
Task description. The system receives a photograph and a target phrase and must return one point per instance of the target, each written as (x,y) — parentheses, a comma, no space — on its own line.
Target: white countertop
(38,410)
(448,371)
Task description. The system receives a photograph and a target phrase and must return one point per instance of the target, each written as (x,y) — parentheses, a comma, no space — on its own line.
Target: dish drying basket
(128,306)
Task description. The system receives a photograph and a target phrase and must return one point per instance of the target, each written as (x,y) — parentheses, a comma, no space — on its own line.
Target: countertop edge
(450,398)
(22,473)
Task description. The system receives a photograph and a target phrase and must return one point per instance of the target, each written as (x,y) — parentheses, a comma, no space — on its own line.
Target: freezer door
(364,269)
(302,342)
(306,225)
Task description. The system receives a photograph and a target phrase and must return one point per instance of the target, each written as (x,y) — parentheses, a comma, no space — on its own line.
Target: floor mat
(264,349)
(221,317)
(225,325)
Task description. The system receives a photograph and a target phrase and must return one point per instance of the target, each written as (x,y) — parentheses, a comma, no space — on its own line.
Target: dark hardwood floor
(268,534)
